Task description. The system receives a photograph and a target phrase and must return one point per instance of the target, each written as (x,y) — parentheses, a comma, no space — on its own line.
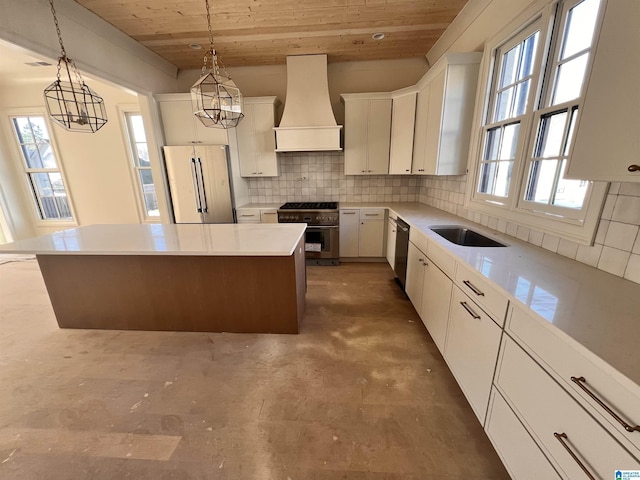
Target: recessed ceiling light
(378,36)
(195,46)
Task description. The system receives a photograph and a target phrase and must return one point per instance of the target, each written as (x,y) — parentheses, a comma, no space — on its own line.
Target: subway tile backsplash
(320,177)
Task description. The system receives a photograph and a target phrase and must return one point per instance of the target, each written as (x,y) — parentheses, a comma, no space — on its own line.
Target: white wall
(345,77)
(96,166)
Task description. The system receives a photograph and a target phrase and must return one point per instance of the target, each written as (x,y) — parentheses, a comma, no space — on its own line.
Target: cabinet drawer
(555,351)
(372,213)
(546,409)
(521,456)
(482,292)
(471,350)
(269,216)
(248,215)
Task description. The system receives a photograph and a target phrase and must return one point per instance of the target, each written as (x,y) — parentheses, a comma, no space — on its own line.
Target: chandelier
(217,102)
(70,102)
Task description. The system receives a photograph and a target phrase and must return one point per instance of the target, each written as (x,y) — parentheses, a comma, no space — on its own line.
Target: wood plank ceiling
(264,32)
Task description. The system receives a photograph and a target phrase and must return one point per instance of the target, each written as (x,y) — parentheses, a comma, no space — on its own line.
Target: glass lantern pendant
(70,102)
(216,100)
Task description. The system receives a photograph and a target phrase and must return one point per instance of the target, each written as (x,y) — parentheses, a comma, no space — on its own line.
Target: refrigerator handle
(203,191)
(196,184)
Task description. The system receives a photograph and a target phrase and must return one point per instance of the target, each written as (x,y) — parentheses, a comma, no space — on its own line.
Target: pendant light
(70,102)
(217,102)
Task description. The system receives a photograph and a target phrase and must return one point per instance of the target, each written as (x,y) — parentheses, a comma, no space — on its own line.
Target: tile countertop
(167,239)
(594,308)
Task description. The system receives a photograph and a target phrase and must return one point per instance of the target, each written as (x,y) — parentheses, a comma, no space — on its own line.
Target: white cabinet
(403,117)
(471,350)
(180,125)
(256,138)
(349,229)
(519,453)
(556,421)
(268,215)
(414,282)
(367,133)
(371,235)
(436,296)
(391,242)
(444,111)
(607,140)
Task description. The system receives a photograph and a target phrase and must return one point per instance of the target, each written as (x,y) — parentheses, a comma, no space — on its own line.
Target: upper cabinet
(444,111)
(180,125)
(607,143)
(403,117)
(367,133)
(256,138)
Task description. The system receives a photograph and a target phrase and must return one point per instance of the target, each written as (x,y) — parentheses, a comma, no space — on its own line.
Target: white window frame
(561,222)
(24,170)
(124,112)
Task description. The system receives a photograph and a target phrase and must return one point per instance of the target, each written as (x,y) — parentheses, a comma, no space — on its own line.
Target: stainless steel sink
(465,237)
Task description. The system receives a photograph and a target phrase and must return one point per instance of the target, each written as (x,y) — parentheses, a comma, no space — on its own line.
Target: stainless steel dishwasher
(402,247)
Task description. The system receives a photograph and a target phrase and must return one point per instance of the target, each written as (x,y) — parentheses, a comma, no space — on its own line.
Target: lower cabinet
(571,438)
(436,295)
(471,350)
(257,215)
(519,453)
(362,232)
(269,215)
(414,283)
(391,242)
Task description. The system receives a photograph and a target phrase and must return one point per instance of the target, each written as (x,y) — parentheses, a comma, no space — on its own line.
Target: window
(41,168)
(535,89)
(141,164)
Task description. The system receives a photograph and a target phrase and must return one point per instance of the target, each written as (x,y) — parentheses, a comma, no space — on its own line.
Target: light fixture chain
(55,20)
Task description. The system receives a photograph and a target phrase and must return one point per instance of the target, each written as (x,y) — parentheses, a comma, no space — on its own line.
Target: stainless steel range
(322,237)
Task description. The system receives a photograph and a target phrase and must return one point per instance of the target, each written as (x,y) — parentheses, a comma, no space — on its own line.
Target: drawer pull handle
(468,309)
(371,214)
(581,381)
(348,213)
(475,289)
(561,438)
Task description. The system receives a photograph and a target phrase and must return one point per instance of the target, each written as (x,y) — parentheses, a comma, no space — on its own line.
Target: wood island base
(240,294)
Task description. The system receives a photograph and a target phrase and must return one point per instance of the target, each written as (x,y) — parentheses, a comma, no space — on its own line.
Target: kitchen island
(243,278)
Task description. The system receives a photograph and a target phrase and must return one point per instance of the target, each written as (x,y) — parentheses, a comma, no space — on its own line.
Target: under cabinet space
(556,421)
(471,350)
(520,454)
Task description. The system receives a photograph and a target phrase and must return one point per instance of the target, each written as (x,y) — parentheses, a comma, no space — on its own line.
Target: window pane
(495,178)
(149,192)
(49,188)
(138,128)
(143,155)
(572,127)
(509,142)
(39,128)
(31,155)
(550,135)
(522,97)
(542,179)
(581,22)
(569,80)
(570,193)
(493,143)
(529,47)
(504,105)
(510,61)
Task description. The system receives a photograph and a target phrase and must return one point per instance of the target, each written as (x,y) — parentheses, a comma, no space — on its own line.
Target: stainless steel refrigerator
(199,183)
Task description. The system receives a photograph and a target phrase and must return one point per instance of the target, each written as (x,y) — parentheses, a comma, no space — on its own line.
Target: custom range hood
(307,122)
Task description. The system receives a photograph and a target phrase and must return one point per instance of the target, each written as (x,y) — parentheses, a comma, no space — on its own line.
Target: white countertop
(167,239)
(596,309)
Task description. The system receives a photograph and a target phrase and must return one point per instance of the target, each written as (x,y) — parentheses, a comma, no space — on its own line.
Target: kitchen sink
(465,237)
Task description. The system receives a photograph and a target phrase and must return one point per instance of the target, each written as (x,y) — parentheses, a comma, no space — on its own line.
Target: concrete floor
(362,393)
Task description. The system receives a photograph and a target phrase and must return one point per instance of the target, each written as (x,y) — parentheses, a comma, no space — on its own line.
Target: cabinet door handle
(581,381)
(473,288)
(634,168)
(470,311)
(421,260)
(561,437)
(407,170)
